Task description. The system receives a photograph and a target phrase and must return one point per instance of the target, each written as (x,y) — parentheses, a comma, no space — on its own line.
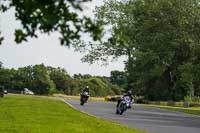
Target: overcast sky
(47,49)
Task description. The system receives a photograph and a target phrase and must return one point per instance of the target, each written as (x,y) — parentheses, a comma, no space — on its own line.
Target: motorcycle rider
(129,94)
(86,89)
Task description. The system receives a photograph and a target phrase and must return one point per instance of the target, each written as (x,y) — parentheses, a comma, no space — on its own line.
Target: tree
(1,91)
(50,16)
(1,38)
(1,64)
(42,84)
(58,76)
(80,76)
(118,78)
(159,39)
(7,78)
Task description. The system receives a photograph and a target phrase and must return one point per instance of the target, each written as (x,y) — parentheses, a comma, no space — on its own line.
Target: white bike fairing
(127,99)
(85,93)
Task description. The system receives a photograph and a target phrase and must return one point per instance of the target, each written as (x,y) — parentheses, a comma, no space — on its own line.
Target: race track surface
(151,119)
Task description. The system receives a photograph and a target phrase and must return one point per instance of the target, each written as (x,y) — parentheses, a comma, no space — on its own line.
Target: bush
(195,99)
(1,91)
(179,104)
(112,98)
(186,104)
(192,101)
(171,103)
(99,88)
(163,103)
(139,99)
(194,104)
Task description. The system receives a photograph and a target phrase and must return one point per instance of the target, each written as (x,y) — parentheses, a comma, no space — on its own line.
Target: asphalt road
(151,119)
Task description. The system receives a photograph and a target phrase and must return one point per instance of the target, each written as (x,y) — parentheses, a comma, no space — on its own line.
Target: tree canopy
(160,38)
(161,41)
(49,16)
(43,80)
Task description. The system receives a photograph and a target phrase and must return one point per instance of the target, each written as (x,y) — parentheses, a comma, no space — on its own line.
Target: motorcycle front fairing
(127,100)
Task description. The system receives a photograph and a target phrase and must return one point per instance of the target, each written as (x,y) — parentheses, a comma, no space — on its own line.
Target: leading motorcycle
(84,97)
(124,104)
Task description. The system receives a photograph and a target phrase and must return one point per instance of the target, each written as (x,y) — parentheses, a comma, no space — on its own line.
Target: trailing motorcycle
(123,105)
(84,97)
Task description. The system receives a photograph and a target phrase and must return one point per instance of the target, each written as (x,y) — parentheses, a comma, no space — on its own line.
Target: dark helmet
(129,92)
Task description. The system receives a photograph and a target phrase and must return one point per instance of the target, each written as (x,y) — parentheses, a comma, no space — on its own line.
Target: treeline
(157,89)
(44,80)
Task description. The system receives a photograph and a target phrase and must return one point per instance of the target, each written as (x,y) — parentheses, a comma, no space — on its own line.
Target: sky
(47,49)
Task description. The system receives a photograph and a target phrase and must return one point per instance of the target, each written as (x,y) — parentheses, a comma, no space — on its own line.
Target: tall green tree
(1,64)
(118,78)
(58,76)
(159,39)
(7,78)
(42,84)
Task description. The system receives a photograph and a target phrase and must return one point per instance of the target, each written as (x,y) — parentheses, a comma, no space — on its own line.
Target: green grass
(34,114)
(191,110)
(91,99)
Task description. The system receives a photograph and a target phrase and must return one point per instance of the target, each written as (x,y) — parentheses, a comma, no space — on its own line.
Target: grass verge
(190,110)
(34,114)
(100,99)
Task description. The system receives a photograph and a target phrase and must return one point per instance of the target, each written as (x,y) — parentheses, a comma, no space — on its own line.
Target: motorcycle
(124,104)
(84,97)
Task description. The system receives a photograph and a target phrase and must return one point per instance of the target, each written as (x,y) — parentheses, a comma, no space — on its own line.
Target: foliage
(58,76)
(118,78)
(50,16)
(44,80)
(161,42)
(112,98)
(42,84)
(1,64)
(1,91)
(99,88)
(195,99)
(80,76)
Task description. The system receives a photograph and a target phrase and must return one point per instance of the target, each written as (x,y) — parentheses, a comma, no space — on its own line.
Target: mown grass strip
(96,99)
(190,110)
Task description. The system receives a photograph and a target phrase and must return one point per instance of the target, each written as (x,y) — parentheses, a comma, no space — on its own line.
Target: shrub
(171,103)
(195,104)
(139,99)
(163,103)
(179,104)
(1,91)
(112,98)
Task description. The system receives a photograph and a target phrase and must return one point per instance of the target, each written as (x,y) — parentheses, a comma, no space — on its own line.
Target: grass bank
(190,110)
(100,99)
(34,114)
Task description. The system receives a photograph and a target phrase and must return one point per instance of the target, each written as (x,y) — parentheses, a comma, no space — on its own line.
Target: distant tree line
(44,80)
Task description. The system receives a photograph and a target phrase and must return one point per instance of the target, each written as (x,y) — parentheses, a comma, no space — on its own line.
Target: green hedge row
(141,100)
